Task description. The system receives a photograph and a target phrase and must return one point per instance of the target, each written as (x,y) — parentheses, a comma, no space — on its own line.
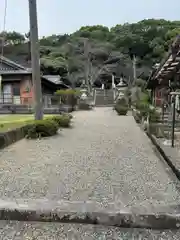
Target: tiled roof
(53,78)
(4,72)
(169,64)
(56,79)
(11,63)
(10,67)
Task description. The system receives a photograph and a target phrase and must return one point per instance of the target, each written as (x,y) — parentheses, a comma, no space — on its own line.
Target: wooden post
(173,122)
(173,116)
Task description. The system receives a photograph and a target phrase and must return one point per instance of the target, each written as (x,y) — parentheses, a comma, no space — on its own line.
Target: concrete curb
(161,151)
(69,212)
(12,136)
(154,141)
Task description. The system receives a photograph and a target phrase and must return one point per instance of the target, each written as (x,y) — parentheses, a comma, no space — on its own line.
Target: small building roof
(170,64)
(5,72)
(10,67)
(55,79)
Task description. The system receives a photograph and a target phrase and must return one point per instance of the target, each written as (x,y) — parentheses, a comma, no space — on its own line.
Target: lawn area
(4,127)
(9,122)
(18,117)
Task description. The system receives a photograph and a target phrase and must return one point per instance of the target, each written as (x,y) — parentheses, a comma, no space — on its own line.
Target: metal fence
(48,100)
(51,104)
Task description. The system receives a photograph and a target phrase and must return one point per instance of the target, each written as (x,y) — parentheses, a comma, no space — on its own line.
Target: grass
(18,117)
(10,122)
(10,126)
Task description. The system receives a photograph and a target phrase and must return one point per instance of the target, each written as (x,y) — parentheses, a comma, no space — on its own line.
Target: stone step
(104,97)
(104,100)
(102,105)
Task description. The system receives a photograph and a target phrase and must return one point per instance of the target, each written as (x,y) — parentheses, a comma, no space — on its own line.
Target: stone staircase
(104,98)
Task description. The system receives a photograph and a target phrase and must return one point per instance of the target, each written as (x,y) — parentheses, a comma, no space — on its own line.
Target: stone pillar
(113,83)
(46,101)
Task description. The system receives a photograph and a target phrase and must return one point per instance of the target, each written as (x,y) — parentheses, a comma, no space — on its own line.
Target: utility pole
(90,74)
(134,68)
(35,60)
(87,63)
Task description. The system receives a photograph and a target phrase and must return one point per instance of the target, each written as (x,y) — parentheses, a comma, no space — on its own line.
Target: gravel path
(55,231)
(104,158)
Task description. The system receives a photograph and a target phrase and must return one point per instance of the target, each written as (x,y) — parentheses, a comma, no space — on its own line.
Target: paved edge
(11,136)
(167,158)
(66,212)
(162,152)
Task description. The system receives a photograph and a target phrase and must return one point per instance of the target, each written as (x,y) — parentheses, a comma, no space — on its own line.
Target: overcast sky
(66,16)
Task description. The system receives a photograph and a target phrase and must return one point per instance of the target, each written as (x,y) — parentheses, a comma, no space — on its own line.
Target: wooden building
(16,83)
(166,75)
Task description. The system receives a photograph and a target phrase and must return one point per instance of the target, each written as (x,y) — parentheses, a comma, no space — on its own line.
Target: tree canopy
(148,39)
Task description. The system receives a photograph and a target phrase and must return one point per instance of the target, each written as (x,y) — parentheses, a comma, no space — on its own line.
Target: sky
(67,16)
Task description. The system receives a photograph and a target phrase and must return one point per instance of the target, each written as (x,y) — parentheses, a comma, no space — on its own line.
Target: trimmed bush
(62,120)
(147,111)
(121,110)
(41,128)
(121,106)
(68,96)
(68,115)
(122,101)
(154,116)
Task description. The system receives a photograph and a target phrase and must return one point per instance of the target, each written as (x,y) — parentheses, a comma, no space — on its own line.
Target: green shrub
(68,96)
(62,120)
(41,128)
(121,110)
(65,92)
(122,101)
(68,115)
(154,116)
(144,109)
(147,111)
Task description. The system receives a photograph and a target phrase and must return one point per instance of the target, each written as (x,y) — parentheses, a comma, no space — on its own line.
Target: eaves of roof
(170,62)
(12,63)
(9,72)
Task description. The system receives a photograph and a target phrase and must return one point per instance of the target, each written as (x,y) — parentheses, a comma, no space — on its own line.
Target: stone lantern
(121,86)
(84,94)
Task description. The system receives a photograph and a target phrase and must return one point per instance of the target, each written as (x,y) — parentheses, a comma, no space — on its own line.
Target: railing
(94,97)
(7,99)
(48,100)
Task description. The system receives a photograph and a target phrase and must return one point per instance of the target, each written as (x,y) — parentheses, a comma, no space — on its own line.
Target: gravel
(52,231)
(103,158)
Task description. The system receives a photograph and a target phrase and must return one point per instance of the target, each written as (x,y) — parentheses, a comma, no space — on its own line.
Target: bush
(143,108)
(154,116)
(122,101)
(68,96)
(146,110)
(121,110)
(67,92)
(68,115)
(62,120)
(41,128)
